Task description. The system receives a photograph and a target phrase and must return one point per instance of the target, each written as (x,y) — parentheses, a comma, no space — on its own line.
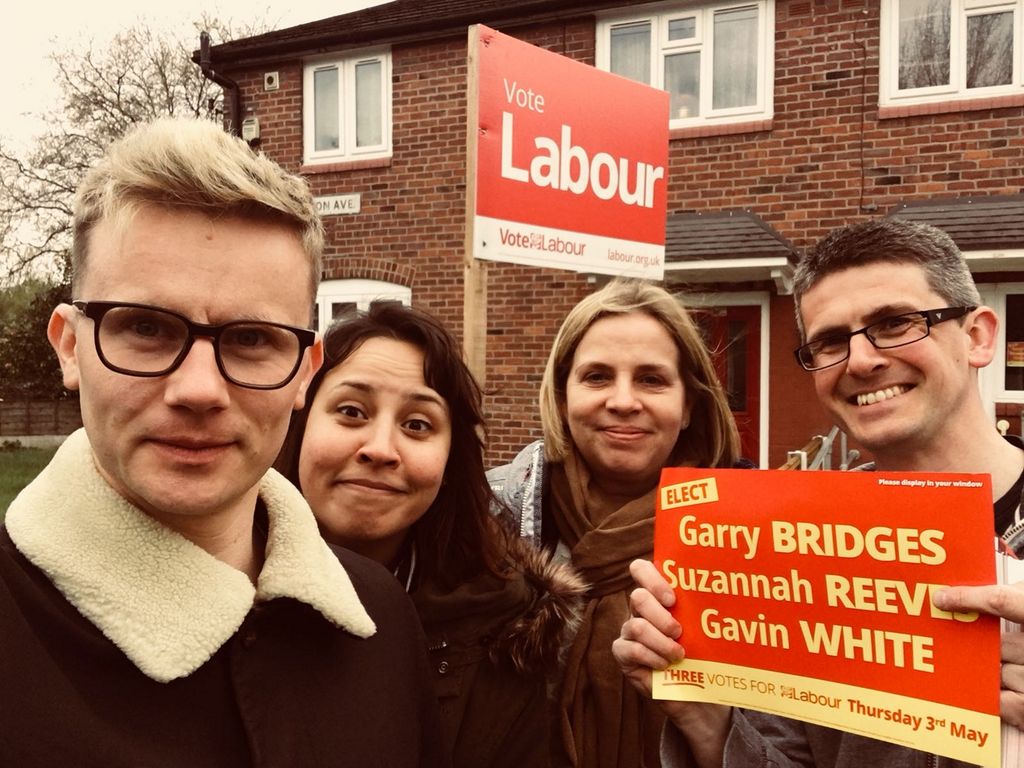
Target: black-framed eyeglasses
(141,340)
(887,333)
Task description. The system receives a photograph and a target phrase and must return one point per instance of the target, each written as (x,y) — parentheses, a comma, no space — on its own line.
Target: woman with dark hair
(389,454)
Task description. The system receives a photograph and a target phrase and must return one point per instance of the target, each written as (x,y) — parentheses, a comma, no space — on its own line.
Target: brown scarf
(605,722)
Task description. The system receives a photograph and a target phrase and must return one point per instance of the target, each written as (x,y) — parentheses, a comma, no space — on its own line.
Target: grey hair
(891,240)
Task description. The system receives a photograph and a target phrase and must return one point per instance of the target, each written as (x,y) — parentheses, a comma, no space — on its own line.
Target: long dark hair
(456,538)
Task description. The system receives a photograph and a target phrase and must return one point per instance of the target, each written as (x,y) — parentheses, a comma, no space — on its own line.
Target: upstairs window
(716,61)
(347,108)
(948,50)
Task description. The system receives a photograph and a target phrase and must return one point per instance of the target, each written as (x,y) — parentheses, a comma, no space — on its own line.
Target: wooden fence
(39,417)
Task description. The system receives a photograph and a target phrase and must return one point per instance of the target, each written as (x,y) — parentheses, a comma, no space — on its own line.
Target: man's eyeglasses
(889,332)
(140,340)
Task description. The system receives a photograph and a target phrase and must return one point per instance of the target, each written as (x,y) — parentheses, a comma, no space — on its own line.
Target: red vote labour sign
(569,164)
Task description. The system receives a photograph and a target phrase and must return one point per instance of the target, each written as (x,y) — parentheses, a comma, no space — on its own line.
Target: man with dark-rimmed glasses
(165,600)
(888,333)
(894,335)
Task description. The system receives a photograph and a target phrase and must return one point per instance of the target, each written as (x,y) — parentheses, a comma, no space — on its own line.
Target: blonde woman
(629,388)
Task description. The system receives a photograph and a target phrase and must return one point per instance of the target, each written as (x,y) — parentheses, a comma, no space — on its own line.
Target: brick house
(788,118)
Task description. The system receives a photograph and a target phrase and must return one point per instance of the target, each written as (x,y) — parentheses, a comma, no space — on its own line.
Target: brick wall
(411,223)
(826,159)
(828,153)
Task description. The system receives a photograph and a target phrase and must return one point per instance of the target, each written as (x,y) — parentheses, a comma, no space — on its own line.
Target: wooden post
(474,300)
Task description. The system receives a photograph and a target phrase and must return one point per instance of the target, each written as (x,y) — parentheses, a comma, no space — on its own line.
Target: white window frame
(703,41)
(890,94)
(360,292)
(346,66)
(991,378)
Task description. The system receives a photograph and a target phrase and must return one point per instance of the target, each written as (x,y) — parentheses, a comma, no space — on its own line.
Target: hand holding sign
(1007,602)
(1003,600)
(648,642)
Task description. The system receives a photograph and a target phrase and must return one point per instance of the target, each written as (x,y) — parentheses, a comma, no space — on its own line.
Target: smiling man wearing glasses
(165,600)
(894,336)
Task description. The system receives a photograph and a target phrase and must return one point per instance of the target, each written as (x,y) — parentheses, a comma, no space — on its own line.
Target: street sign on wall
(335,205)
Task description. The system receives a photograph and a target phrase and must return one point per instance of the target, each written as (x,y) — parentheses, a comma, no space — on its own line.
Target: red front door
(733,335)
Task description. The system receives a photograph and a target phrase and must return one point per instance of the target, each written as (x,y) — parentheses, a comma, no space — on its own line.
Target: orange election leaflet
(808,595)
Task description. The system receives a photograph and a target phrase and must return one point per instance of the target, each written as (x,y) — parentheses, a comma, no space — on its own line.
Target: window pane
(369,110)
(631,51)
(990,49)
(1015,341)
(325,109)
(682,29)
(924,43)
(342,309)
(682,81)
(734,81)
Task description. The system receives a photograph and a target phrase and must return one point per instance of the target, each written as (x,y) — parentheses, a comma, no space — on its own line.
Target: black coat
(182,662)
(289,689)
(495,648)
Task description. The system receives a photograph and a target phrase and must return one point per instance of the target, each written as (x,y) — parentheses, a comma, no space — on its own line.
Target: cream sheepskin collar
(166,603)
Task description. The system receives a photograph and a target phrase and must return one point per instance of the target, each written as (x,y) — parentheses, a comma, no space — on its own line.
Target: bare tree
(924,43)
(105,88)
(990,49)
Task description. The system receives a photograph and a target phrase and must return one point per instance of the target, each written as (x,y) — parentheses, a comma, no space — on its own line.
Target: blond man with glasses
(166,599)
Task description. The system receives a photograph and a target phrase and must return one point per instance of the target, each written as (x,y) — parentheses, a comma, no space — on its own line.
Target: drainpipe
(229,85)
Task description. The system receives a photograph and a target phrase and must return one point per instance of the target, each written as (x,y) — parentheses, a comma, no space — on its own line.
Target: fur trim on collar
(166,603)
(539,637)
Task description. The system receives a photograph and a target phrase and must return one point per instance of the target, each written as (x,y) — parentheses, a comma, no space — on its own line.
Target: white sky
(32,29)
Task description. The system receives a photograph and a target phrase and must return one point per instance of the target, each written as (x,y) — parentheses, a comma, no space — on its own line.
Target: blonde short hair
(710,440)
(194,164)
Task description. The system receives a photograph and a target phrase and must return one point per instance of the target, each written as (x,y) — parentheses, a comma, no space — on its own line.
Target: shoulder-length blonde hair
(710,440)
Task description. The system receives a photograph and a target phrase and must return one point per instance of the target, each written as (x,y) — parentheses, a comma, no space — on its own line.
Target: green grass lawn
(17,468)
